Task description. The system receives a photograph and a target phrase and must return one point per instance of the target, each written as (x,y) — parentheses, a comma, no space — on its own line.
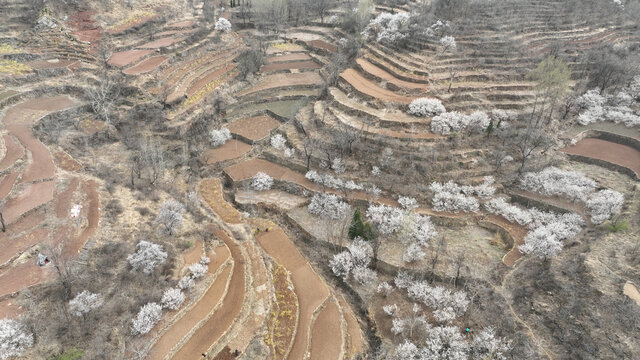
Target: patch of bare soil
(72,248)
(6,184)
(41,166)
(210,191)
(608,151)
(164,42)
(288,57)
(66,162)
(9,309)
(145,66)
(29,111)
(209,333)
(208,78)
(275,81)
(326,335)
(300,65)
(33,196)
(50,64)
(63,199)
(321,44)
(384,75)
(281,199)
(254,128)
(124,58)
(14,247)
(368,87)
(232,149)
(23,276)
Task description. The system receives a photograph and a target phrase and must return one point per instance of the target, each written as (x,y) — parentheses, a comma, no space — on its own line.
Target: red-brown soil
(517,232)
(66,162)
(25,223)
(353,329)
(326,335)
(288,57)
(13,247)
(6,184)
(175,32)
(230,150)
(368,87)
(164,42)
(23,276)
(608,151)
(285,80)
(72,248)
(291,65)
(41,166)
(124,58)
(33,196)
(145,66)
(181,24)
(323,45)
(203,81)
(199,311)
(85,26)
(31,110)
(191,256)
(209,333)
(14,152)
(382,74)
(254,128)
(9,309)
(309,287)
(124,27)
(63,199)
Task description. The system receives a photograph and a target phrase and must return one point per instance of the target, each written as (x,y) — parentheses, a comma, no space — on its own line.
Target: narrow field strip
(326,334)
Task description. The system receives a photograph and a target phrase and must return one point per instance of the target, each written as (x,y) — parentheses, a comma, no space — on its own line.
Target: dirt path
(14,152)
(608,151)
(33,196)
(326,335)
(368,87)
(72,248)
(308,286)
(254,128)
(517,232)
(63,199)
(200,310)
(146,65)
(209,333)
(382,74)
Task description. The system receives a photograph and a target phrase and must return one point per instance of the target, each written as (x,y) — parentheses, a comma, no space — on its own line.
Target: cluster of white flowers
(223,25)
(278,141)
(75,211)
(554,181)
(503,117)
(387,28)
(147,257)
(548,229)
(426,107)
(148,316)
(447,122)
(172,298)
(577,187)
(334,19)
(453,197)
(597,107)
(477,122)
(328,206)
(355,260)
(261,181)
(387,219)
(198,270)
(446,305)
(14,340)
(84,302)
(332,182)
(337,164)
(510,212)
(448,42)
(390,309)
(384,288)
(437,28)
(219,137)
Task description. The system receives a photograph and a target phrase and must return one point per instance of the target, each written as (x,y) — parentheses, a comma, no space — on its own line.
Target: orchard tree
(148,316)
(170,216)
(552,77)
(13,339)
(147,257)
(261,181)
(172,299)
(84,302)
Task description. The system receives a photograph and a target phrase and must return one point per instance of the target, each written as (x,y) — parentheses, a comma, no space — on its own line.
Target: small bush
(617,225)
(72,354)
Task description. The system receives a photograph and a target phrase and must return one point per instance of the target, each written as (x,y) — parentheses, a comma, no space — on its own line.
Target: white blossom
(449,197)
(186,282)
(387,28)
(198,270)
(448,122)
(445,342)
(278,141)
(147,257)
(223,25)
(84,302)
(398,326)
(426,107)
(387,219)
(219,137)
(147,318)
(261,181)
(554,181)
(448,43)
(328,206)
(603,204)
(364,276)
(510,212)
(486,345)
(13,339)
(170,216)
(407,350)
(384,288)
(407,203)
(172,299)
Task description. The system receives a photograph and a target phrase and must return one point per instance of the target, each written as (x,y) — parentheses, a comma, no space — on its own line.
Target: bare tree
(104,95)
(437,250)
(320,7)
(308,145)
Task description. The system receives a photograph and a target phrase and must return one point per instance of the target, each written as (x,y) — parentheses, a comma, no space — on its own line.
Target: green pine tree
(357,225)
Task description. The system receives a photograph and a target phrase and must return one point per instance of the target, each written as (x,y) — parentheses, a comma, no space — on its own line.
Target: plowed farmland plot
(608,151)
(321,44)
(164,42)
(384,75)
(13,153)
(210,191)
(369,88)
(124,58)
(145,66)
(297,65)
(232,149)
(254,128)
(326,334)
(276,81)
(288,58)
